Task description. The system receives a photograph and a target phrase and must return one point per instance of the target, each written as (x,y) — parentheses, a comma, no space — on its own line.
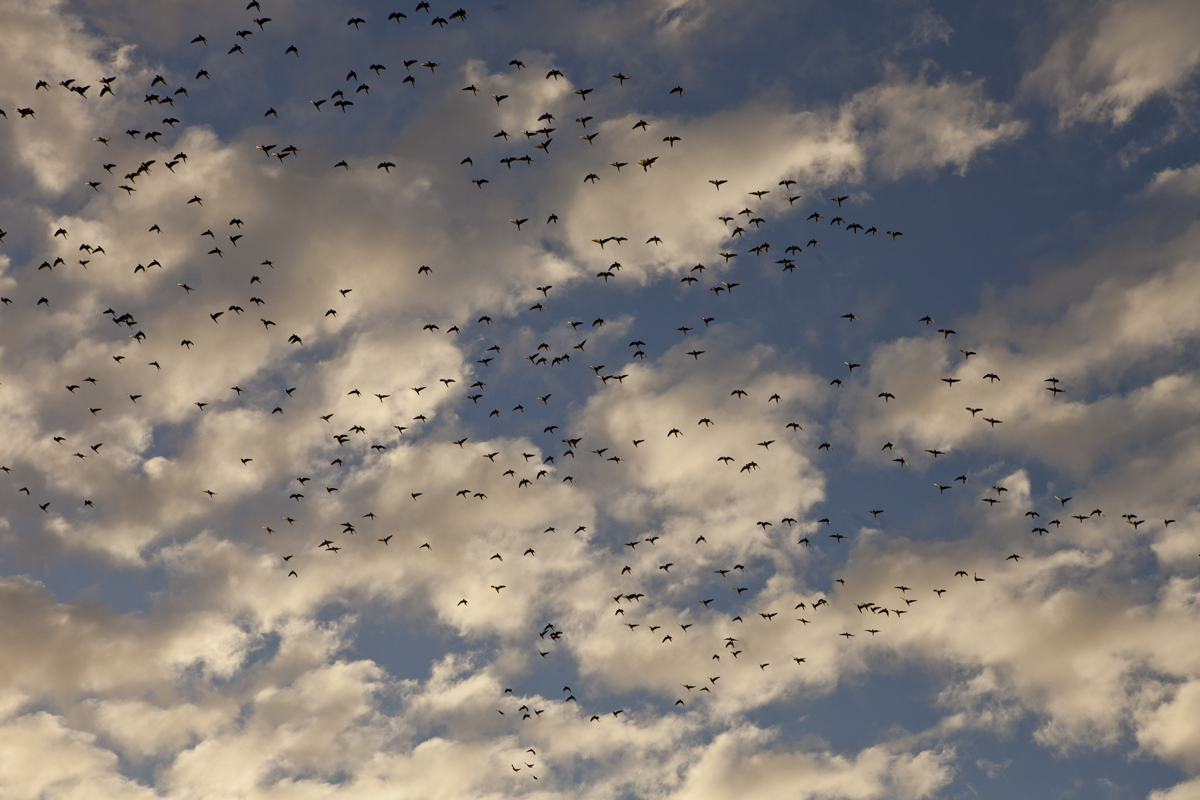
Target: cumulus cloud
(49,759)
(1113,332)
(277,434)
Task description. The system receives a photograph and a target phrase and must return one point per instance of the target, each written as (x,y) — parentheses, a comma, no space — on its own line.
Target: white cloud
(1185,181)
(44,758)
(913,126)
(1109,331)
(745,760)
(1181,791)
(1171,730)
(1112,59)
(226,683)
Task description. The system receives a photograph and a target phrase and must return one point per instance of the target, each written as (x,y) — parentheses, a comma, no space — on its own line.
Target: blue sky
(377,494)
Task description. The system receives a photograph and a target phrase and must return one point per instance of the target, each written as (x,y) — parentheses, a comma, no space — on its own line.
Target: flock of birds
(519,470)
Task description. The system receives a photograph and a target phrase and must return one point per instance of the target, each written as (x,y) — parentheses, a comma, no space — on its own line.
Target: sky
(603,400)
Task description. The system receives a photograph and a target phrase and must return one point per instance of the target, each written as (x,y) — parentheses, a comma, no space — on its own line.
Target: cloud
(993,769)
(641,581)
(745,760)
(1112,59)
(1180,791)
(927,27)
(915,126)
(1110,325)
(1171,731)
(1124,309)
(48,759)
(1175,181)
